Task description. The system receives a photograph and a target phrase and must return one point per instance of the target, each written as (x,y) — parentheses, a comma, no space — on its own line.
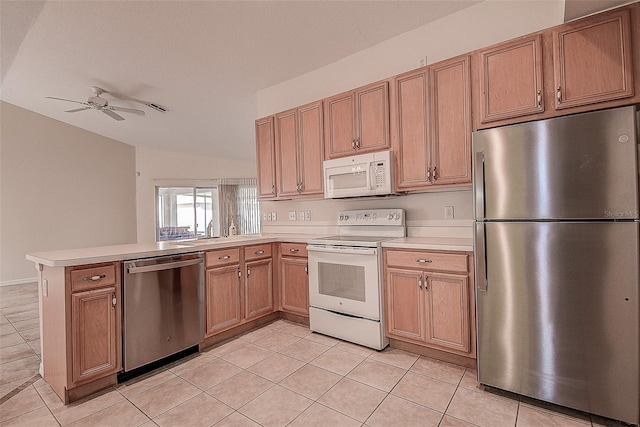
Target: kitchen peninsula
(81,299)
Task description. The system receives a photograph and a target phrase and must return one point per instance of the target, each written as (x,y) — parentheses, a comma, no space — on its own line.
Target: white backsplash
(424,213)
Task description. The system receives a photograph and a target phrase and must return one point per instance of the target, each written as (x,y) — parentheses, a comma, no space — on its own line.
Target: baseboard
(19,281)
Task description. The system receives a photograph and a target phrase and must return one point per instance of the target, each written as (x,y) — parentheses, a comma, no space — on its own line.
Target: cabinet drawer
(94,277)
(294,249)
(222,257)
(427,260)
(257,252)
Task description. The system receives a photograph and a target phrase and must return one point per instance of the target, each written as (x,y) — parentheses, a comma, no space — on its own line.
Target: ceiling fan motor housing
(100,102)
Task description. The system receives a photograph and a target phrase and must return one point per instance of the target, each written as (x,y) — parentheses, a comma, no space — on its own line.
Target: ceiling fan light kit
(101,104)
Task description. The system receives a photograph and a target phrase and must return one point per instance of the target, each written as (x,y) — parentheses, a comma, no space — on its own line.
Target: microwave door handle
(372,178)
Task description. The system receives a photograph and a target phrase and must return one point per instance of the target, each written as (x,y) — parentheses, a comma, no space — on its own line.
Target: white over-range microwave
(369,174)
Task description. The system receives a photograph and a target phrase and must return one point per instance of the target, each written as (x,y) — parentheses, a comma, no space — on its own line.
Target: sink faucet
(210,229)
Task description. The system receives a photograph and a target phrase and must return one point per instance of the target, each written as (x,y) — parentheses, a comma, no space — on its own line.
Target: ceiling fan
(100,104)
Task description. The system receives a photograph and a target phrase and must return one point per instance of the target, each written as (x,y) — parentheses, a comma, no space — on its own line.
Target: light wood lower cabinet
(429,299)
(238,286)
(95,335)
(81,331)
(294,279)
(222,292)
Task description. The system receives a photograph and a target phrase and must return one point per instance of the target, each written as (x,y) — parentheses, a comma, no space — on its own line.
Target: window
(189,212)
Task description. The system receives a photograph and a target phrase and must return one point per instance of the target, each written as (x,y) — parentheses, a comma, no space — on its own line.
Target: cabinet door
(450,109)
(295,285)
(311,149)
(593,60)
(447,311)
(287,155)
(404,304)
(412,130)
(258,288)
(265,158)
(339,134)
(372,118)
(223,306)
(94,332)
(511,79)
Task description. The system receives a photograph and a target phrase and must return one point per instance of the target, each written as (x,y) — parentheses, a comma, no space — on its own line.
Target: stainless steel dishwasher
(163,301)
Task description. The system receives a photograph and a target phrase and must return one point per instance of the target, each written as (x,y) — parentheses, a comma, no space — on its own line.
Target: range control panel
(371,217)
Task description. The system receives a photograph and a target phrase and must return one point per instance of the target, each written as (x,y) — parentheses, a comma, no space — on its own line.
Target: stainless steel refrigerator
(557,260)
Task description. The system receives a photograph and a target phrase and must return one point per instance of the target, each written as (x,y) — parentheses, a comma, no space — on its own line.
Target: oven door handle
(349,251)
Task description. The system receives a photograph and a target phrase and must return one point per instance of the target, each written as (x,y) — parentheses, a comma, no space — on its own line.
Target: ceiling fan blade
(112,114)
(68,100)
(126,110)
(78,109)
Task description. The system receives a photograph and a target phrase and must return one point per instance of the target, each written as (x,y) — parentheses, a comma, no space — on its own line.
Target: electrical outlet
(307,215)
(274,216)
(268,216)
(448,212)
(292,215)
(264,216)
(301,216)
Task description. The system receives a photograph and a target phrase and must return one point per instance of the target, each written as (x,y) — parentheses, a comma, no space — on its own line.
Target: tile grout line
(19,388)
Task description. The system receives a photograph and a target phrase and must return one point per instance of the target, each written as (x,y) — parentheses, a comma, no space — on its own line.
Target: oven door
(345,279)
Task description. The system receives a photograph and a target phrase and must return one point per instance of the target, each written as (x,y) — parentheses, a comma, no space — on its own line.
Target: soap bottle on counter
(232,229)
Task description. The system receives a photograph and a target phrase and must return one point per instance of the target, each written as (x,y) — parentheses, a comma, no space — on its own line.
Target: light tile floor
(281,374)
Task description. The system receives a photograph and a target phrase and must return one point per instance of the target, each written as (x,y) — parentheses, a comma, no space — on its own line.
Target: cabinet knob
(260,252)
(558,94)
(114,301)
(294,250)
(224,257)
(429,174)
(420,282)
(248,271)
(539,98)
(273,189)
(434,174)
(422,261)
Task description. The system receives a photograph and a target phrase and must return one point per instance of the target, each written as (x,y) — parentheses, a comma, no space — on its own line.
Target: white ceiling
(204,61)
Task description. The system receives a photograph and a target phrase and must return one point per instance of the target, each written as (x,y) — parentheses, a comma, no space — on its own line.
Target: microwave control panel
(379,174)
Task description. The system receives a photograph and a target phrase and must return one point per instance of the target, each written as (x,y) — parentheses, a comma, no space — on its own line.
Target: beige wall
(166,168)
(60,187)
(486,23)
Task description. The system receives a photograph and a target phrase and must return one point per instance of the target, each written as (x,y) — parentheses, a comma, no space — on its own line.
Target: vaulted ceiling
(203,61)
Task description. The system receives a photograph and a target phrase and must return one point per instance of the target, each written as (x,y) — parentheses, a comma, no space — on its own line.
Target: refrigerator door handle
(478,184)
(481,258)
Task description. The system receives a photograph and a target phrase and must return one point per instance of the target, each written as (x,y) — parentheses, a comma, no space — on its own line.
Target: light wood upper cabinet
(265,158)
(357,121)
(510,79)
(432,129)
(299,151)
(592,60)
(450,122)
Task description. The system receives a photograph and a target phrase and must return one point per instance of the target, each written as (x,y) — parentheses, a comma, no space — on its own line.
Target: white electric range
(345,276)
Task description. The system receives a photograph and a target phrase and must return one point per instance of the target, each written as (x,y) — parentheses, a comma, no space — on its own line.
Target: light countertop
(431,243)
(82,256)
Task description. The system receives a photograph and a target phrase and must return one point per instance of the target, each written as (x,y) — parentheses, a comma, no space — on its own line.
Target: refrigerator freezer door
(559,318)
(575,167)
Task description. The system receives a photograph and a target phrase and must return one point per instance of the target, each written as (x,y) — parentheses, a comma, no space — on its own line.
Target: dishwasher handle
(164,266)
